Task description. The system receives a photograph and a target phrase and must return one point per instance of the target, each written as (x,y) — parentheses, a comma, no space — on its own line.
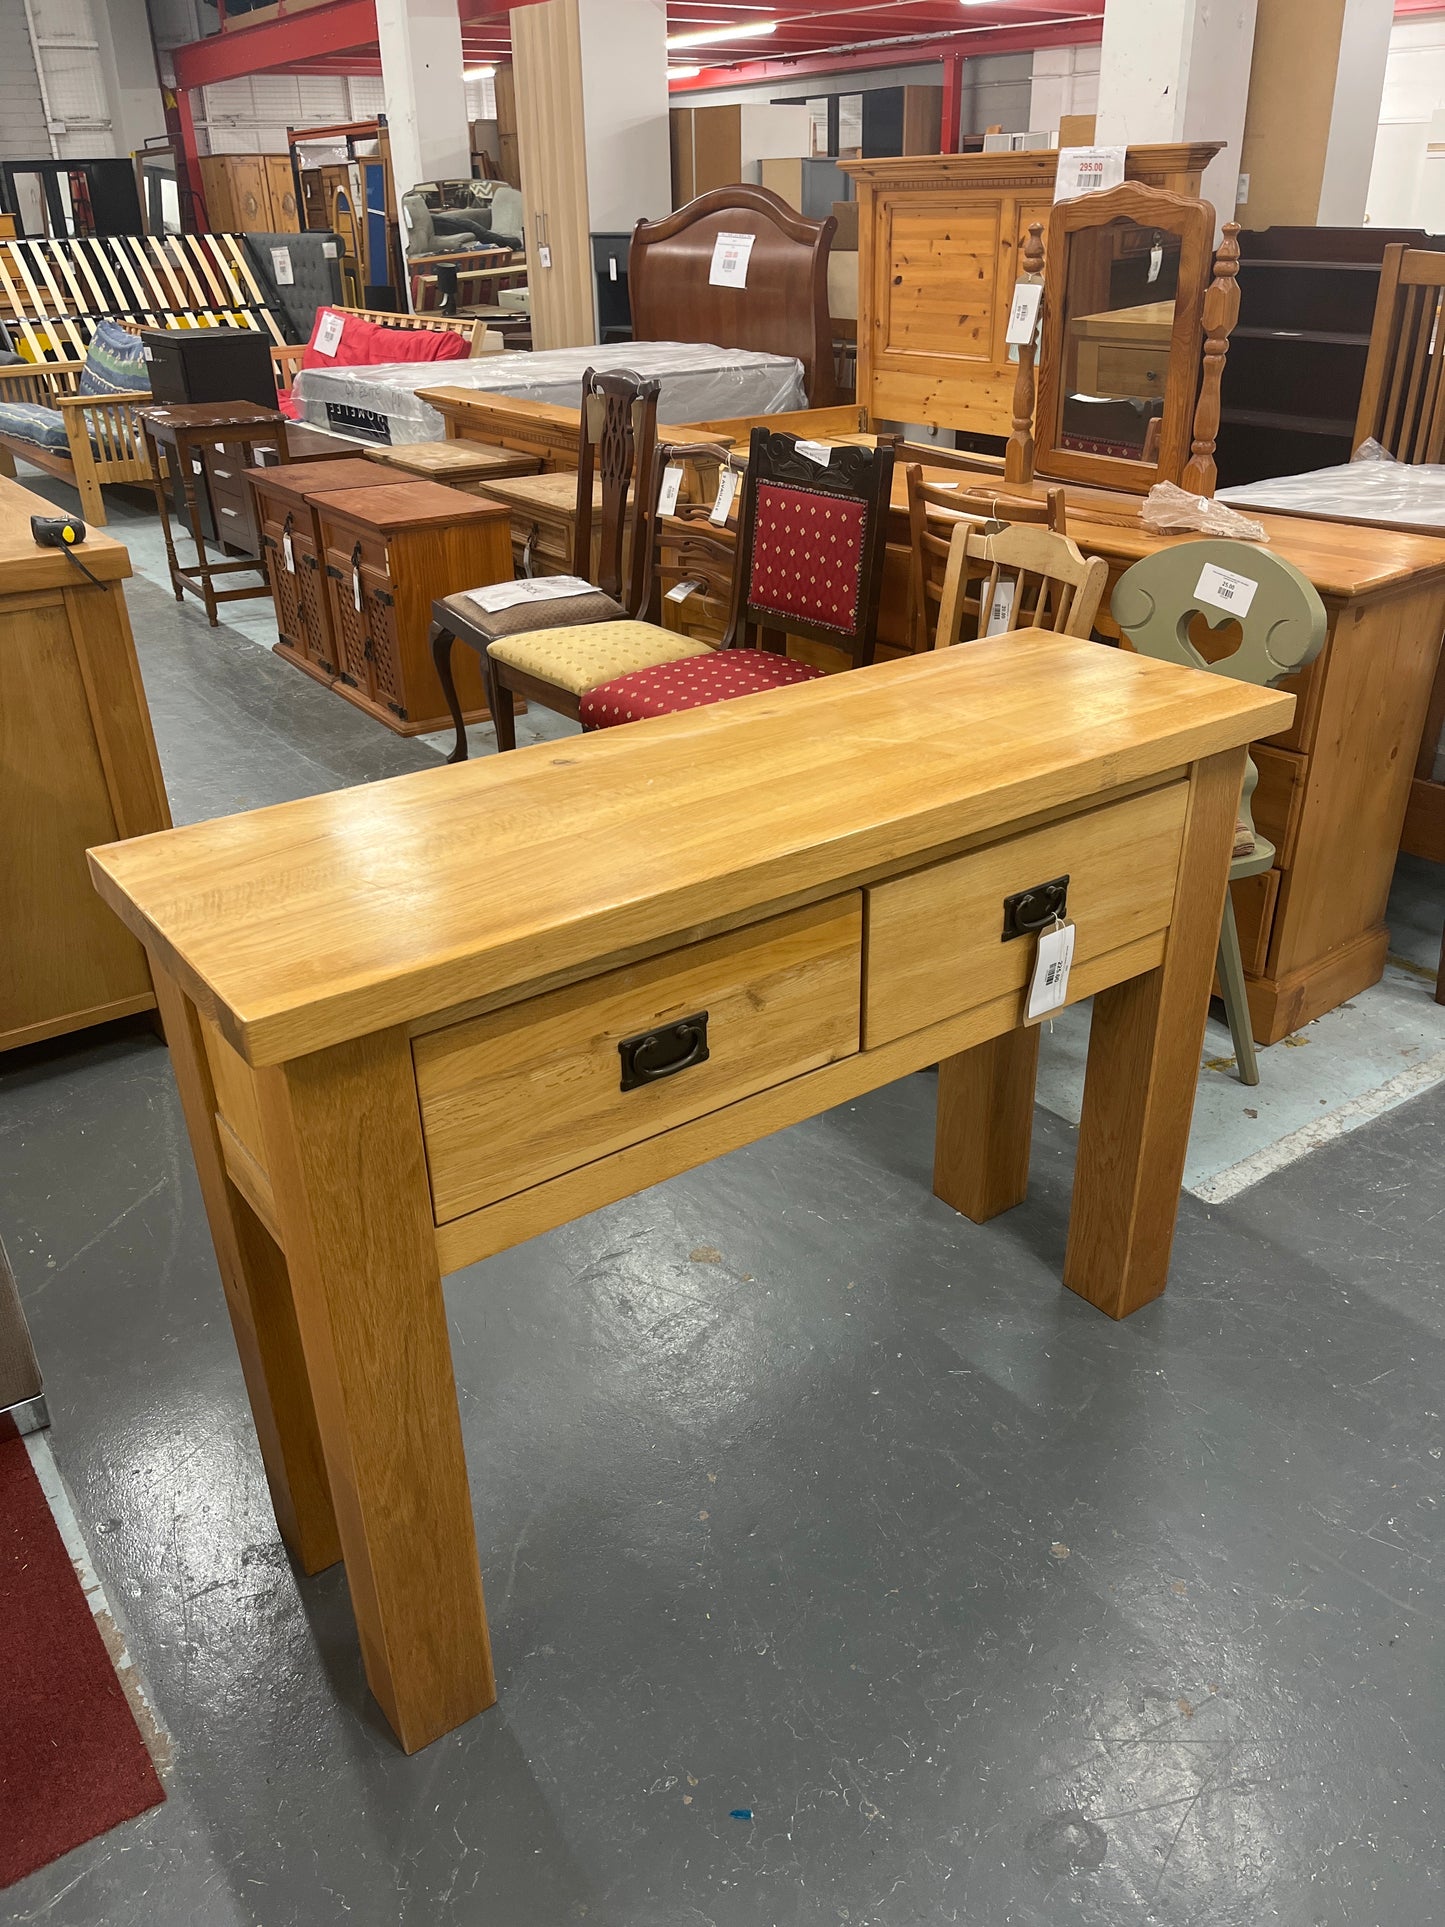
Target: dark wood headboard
(783,310)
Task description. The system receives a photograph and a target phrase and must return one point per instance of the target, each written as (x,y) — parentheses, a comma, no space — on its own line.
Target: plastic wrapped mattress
(698,383)
(1394,493)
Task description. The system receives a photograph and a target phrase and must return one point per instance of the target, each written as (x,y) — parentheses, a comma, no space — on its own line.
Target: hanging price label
(288,552)
(1049,986)
(356,588)
(1001,609)
(1023,316)
(680,591)
(730,254)
(727,488)
(671,487)
(819,452)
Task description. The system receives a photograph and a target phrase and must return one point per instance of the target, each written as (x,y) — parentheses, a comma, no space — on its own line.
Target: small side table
(460,464)
(179,430)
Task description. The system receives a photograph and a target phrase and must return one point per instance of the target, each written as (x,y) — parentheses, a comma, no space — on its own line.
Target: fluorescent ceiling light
(739,30)
(683,73)
(479,73)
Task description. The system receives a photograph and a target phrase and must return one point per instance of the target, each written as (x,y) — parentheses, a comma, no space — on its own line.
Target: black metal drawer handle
(655,1054)
(1031,911)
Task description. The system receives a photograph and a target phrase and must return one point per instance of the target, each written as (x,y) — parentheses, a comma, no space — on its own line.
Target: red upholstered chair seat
(808,555)
(690,684)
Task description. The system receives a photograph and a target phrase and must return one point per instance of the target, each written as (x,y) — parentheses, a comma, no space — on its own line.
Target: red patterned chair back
(811,537)
(618,433)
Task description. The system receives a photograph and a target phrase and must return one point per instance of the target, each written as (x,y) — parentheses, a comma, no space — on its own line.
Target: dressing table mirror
(1130,314)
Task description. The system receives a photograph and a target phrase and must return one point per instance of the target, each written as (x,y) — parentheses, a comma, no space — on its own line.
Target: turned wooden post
(1221,311)
(1019,456)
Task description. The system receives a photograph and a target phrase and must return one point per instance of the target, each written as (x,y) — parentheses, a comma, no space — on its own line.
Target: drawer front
(935,944)
(524,1094)
(1279,798)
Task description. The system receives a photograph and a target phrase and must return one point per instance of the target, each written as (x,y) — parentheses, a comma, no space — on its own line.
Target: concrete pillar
(426,98)
(1314,110)
(1178,70)
(128,63)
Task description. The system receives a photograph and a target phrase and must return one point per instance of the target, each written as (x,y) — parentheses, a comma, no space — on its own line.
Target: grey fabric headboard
(315,261)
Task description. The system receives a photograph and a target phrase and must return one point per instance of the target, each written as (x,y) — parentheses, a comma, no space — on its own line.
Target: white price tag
(288,552)
(730,260)
(406,214)
(1088,170)
(1156,261)
(727,488)
(1024,314)
(680,591)
(330,250)
(328,335)
(148,354)
(1049,986)
(1001,609)
(818,452)
(356,588)
(671,487)
(1225,591)
(541,588)
(281,272)
(612,267)
(544,255)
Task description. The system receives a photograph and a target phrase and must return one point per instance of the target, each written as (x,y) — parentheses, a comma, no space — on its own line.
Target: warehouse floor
(841,1566)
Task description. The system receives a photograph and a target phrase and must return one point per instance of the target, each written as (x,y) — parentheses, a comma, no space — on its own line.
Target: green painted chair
(1283,628)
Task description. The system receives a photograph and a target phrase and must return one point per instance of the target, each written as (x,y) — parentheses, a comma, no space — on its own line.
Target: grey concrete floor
(798,1498)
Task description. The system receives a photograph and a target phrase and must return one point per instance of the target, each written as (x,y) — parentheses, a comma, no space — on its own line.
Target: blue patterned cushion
(114,363)
(44,427)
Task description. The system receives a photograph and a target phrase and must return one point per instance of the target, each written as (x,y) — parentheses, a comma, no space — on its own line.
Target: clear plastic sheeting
(1372,488)
(1171,510)
(698,383)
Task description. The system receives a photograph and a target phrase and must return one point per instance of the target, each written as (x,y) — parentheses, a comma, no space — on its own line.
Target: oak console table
(398,1056)
(77,766)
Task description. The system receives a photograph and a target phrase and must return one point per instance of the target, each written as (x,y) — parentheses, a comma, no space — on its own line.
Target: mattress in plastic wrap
(1411,496)
(698,383)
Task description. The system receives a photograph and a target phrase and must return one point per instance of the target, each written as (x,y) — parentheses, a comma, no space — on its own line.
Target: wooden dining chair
(616,439)
(934,511)
(810,547)
(1157,605)
(1027,578)
(557,664)
(1402,403)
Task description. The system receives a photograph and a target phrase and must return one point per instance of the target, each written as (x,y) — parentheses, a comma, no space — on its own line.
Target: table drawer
(523,1094)
(935,944)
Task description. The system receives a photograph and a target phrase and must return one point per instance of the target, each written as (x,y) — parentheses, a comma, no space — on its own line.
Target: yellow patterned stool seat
(578,659)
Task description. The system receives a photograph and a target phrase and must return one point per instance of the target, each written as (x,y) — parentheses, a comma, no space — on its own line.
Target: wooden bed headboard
(783,310)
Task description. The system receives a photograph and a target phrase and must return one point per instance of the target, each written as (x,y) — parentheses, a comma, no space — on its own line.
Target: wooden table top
(24,566)
(171,420)
(325,919)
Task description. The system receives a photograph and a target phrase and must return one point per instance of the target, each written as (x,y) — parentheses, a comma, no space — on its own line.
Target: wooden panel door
(285,215)
(547,64)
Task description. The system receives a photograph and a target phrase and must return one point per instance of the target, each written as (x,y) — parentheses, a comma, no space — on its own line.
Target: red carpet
(72,1761)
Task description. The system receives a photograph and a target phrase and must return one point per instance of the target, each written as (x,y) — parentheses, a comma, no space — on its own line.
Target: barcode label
(1049,986)
(1225,591)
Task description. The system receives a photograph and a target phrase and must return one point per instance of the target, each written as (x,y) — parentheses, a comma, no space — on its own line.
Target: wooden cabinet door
(285,216)
(250,193)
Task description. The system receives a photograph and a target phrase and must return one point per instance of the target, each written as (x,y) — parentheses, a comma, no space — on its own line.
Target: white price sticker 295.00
(1225,591)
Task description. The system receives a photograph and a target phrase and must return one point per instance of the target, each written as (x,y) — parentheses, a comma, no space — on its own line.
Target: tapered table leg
(1144,1049)
(258,1297)
(348,1168)
(985,1125)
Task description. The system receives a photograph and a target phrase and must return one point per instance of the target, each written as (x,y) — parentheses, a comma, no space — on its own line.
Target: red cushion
(808,556)
(367,344)
(690,684)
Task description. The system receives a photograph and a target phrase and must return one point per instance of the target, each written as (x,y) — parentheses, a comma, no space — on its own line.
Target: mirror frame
(1193,222)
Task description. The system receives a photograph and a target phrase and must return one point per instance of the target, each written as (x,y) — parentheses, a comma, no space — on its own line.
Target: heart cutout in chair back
(1216,642)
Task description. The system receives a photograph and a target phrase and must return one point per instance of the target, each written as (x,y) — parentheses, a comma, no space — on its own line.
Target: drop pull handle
(1029,911)
(654,1054)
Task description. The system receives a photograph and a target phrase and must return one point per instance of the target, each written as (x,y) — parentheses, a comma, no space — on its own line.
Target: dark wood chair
(810,548)
(618,431)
